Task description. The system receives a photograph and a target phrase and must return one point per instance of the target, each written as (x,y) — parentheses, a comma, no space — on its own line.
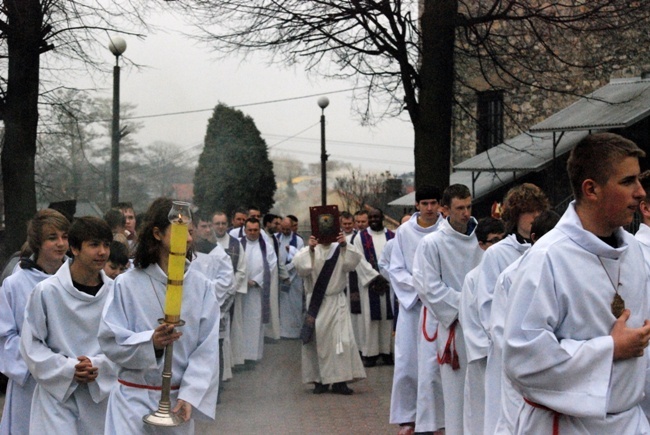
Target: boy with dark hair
(577,323)
(442,260)
(489,231)
(118,260)
(416,378)
(59,340)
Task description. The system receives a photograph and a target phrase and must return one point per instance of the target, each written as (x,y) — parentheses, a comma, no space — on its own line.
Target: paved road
(272,400)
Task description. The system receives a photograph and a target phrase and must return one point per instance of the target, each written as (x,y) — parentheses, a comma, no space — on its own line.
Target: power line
(258,103)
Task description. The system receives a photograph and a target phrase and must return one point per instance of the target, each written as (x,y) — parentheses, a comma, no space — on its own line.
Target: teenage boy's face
(428,209)
(619,198)
(460,211)
(93,255)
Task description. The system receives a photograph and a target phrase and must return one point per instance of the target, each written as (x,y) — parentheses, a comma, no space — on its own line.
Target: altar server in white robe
(234,341)
(510,401)
(329,354)
(47,238)
(521,205)
(260,262)
(59,337)
(578,323)
(412,392)
(442,260)
(132,337)
(291,305)
(488,232)
(217,267)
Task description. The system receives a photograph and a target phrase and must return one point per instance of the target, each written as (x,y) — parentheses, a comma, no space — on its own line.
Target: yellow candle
(175,271)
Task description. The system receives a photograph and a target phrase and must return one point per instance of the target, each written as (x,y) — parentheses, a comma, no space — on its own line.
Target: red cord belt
(145,387)
(556,415)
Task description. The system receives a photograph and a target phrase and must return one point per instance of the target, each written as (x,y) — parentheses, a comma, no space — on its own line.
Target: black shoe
(369,361)
(387,359)
(342,388)
(320,388)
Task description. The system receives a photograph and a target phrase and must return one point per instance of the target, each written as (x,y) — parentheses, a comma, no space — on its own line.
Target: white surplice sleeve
(53,371)
(11,362)
(127,348)
(200,382)
(570,376)
(401,278)
(438,297)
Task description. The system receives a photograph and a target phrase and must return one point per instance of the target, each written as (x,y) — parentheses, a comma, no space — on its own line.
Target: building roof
(619,104)
(524,153)
(483,184)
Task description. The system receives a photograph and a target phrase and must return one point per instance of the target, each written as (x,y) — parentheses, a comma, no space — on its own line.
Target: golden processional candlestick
(180,218)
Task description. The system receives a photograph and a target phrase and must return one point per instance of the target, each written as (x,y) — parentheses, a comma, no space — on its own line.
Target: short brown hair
(524,198)
(458,191)
(594,158)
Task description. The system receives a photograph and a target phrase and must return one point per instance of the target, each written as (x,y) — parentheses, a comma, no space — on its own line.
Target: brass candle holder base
(163,416)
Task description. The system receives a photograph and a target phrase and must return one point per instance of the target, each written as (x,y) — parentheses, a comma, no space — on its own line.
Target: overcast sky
(182,76)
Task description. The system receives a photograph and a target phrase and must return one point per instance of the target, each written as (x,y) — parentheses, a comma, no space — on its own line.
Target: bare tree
(62,33)
(360,189)
(415,55)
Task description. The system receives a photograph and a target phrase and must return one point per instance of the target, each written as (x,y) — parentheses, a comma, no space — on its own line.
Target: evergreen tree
(234,168)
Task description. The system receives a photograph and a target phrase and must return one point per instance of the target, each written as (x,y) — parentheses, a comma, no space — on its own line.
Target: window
(490,120)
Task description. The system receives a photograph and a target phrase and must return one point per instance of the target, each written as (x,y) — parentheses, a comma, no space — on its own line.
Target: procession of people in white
(523,323)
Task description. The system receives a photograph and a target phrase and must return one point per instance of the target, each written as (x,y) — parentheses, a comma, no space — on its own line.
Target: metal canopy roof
(526,152)
(619,104)
(484,184)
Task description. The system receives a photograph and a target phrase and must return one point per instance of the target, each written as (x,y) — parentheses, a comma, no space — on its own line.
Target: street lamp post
(323,102)
(117,46)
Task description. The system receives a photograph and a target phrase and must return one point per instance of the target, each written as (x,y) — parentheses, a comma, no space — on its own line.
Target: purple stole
(353,287)
(371,257)
(317,296)
(266,288)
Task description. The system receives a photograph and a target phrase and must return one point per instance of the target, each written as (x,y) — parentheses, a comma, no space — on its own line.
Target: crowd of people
(523,323)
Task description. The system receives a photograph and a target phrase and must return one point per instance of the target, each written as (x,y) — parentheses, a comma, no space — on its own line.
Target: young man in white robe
(577,327)
(509,400)
(131,335)
(217,267)
(488,232)
(234,340)
(59,337)
(47,238)
(329,353)
(521,205)
(291,306)
(376,309)
(407,396)
(442,260)
(256,308)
